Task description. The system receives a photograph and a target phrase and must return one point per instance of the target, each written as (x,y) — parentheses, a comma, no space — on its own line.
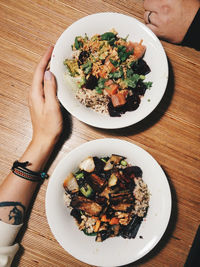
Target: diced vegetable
(72,66)
(112,180)
(71,184)
(104,218)
(114,220)
(87,165)
(116,158)
(112,89)
(87,67)
(79,175)
(97,182)
(124,163)
(118,99)
(86,190)
(97,225)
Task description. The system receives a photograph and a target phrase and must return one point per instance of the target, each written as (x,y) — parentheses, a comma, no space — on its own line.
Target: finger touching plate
(136,31)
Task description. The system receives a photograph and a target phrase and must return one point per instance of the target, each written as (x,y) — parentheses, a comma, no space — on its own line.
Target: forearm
(16,192)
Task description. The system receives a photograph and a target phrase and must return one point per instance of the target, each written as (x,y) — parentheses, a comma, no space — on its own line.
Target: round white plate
(97,24)
(113,251)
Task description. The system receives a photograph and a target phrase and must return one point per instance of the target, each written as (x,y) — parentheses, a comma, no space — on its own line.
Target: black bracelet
(19,169)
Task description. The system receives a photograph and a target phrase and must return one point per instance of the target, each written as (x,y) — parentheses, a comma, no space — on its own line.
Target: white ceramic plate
(113,251)
(154,56)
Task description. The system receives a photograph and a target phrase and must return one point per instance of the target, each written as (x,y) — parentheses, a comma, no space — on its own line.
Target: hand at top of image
(169,19)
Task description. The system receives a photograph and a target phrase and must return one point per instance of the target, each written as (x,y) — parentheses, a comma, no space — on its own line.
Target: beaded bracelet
(19,169)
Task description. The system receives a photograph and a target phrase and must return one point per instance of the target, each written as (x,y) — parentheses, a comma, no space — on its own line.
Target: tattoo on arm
(12,212)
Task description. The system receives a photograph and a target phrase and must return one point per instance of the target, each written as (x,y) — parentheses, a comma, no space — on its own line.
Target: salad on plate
(109,72)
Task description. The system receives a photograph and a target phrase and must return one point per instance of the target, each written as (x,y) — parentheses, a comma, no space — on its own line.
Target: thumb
(50,87)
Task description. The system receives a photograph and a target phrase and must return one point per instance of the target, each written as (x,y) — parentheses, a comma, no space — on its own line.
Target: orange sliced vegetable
(138,49)
(104,218)
(114,220)
(118,99)
(112,89)
(103,74)
(108,82)
(96,226)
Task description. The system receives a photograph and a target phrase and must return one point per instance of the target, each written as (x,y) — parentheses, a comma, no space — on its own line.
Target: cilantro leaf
(117,74)
(114,62)
(148,84)
(132,81)
(109,36)
(87,67)
(122,53)
(77,43)
(100,85)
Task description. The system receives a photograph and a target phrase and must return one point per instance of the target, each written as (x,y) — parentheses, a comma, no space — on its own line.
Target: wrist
(38,153)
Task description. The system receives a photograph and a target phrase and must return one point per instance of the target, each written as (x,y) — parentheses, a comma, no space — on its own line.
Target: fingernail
(47,75)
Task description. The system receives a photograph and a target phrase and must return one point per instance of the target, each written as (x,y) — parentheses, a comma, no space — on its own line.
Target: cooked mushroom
(87,165)
(87,205)
(70,184)
(112,180)
(114,159)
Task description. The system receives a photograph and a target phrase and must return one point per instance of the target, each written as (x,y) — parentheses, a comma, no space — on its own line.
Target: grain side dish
(107,197)
(109,72)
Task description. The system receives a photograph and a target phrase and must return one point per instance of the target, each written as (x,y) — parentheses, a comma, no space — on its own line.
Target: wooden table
(170,134)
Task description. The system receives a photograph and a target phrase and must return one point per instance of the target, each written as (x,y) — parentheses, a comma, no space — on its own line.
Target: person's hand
(170,19)
(43,103)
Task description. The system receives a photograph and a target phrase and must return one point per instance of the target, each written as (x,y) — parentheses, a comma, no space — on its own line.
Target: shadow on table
(67,131)
(168,233)
(152,118)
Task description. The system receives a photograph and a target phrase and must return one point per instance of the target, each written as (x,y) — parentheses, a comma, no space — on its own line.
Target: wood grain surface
(170,134)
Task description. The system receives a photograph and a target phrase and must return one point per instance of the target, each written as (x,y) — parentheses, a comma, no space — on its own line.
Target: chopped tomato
(103,74)
(114,220)
(138,49)
(108,82)
(104,218)
(118,99)
(112,89)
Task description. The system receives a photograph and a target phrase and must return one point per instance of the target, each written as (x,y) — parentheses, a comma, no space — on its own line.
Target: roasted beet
(115,112)
(133,170)
(130,231)
(141,67)
(132,102)
(140,88)
(99,164)
(83,57)
(76,214)
(91,82)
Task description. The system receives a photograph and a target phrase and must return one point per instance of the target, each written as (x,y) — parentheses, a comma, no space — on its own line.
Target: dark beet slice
(83,57)
(91,82)
(76,214)
(99,165)
(130,231)
(141,67)
(140,88)
(132,102)
(133,170)
(113,112)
